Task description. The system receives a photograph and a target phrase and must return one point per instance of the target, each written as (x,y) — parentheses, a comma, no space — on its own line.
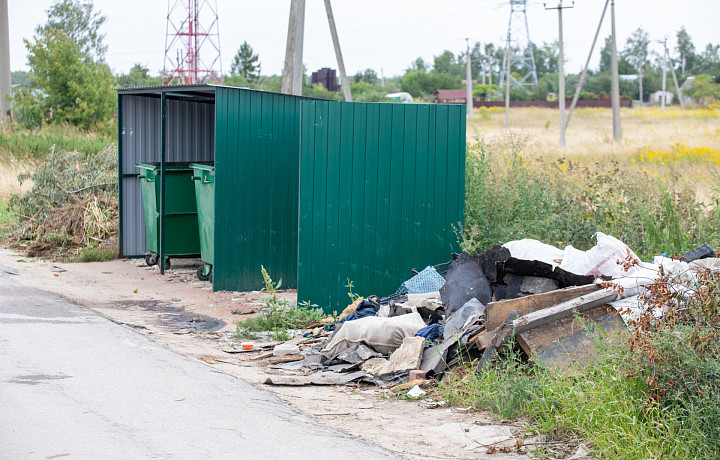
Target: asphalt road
(75,385)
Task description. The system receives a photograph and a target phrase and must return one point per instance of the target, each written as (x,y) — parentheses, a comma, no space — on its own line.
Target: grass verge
(36,143)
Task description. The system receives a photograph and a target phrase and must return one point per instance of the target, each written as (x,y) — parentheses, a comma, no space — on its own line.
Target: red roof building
(451,96)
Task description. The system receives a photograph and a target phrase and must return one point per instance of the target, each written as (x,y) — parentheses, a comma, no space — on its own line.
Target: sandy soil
(183,314)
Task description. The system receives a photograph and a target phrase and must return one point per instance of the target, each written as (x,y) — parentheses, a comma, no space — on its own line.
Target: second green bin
(180,213)
(204,177)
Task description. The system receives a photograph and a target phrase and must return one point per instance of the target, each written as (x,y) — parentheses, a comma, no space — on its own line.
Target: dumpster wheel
(202,276)
(151,259)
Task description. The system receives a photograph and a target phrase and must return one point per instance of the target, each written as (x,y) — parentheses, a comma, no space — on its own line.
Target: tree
(245,63)
(367,76)
(704,90)
(424,84)
(73,89)
(139,75)
(686,51)
(447,64)
(418,64)
(624,67)
(77,21)
(636,52)
(710,61)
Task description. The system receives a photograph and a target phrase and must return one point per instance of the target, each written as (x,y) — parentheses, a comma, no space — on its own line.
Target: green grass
(7,218)
(277,316)
(36,143)
(511,195)
(94,255)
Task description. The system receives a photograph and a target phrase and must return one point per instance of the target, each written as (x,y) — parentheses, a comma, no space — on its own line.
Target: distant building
(326,77)
(405,98)
(451,96)
(657,97)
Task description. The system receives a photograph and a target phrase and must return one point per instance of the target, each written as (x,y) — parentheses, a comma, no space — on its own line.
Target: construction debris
(551,303)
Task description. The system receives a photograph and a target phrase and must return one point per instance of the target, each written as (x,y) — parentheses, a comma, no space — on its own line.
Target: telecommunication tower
(524,60)
(192,27)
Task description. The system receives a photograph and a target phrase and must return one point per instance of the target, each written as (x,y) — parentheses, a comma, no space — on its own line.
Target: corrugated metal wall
(381,186)
(190,137)
(256,188)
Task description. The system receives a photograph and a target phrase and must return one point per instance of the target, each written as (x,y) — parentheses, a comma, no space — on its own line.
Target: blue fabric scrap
(431,333)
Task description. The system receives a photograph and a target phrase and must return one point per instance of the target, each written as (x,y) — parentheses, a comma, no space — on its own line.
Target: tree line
(69,80)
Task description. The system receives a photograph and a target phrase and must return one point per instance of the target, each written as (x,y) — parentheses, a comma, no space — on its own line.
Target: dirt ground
(182,313)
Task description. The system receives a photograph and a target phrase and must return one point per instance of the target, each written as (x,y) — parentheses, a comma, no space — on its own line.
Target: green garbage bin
(204,177)
(180,217)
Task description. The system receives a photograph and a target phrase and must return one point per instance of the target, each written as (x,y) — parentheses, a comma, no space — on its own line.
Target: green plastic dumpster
(179,216)
(204,177)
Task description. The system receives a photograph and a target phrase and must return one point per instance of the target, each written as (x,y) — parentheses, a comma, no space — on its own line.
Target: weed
(351,294)
(277,314)
(39,142)
(94,255)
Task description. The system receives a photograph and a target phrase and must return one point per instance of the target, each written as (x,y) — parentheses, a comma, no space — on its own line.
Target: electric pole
(576,96)
(664,79)
(490,65)
(615,78)
(336,43)
(289,68)
(5,75)
(561,71)
(297,82)
(678,91)
(469,82)
(508,53)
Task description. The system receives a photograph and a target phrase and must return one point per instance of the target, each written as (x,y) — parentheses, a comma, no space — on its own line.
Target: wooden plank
(496,312)
(505,331)
(483,340)
(567,342)
(561,310)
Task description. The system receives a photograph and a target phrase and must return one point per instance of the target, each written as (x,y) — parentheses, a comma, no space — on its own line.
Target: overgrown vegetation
(34,144)
(72,204)
(511,195)
(278,315)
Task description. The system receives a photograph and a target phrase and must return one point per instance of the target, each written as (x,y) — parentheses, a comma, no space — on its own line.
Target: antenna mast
(192,26)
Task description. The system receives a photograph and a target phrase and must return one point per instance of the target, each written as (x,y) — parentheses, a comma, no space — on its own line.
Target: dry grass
(684,142)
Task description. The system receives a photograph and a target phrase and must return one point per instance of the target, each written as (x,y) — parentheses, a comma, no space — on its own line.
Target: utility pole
(469,82)
(561,70)
(5,75)
(490,65)
(289,68)
(576,96)
(664,80)
(297,82)
(508,53)
(615,78)
(336,43)
(382,77)
(678,91)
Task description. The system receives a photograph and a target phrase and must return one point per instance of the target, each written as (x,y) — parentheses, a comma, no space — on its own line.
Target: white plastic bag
(528,249)
(605,258)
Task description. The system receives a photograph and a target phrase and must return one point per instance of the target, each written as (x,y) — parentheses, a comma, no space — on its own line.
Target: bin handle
(208,180)
(147,178)
(196,178)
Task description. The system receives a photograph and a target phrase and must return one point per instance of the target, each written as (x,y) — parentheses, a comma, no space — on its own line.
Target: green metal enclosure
(382,190)
(256,188)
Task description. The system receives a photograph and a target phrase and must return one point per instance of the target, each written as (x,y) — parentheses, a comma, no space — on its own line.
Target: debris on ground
(522,294)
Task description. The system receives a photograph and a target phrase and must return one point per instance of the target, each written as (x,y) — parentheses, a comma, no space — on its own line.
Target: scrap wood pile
(543,297)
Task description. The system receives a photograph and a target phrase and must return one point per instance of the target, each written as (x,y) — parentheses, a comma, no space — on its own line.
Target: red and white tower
(192,26)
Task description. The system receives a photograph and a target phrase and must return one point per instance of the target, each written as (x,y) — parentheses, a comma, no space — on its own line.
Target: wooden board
(565,344)
(496,312)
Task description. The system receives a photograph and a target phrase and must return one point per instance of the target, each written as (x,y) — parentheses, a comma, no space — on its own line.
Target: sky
(385,35)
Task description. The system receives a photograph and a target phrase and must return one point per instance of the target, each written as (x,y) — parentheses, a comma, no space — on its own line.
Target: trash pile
(467,310)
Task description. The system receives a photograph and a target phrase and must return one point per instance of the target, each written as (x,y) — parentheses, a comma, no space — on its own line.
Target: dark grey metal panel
(140,131)
(133,223)
(190,131)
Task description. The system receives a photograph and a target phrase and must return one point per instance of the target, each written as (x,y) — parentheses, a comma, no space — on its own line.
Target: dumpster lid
(204,167)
